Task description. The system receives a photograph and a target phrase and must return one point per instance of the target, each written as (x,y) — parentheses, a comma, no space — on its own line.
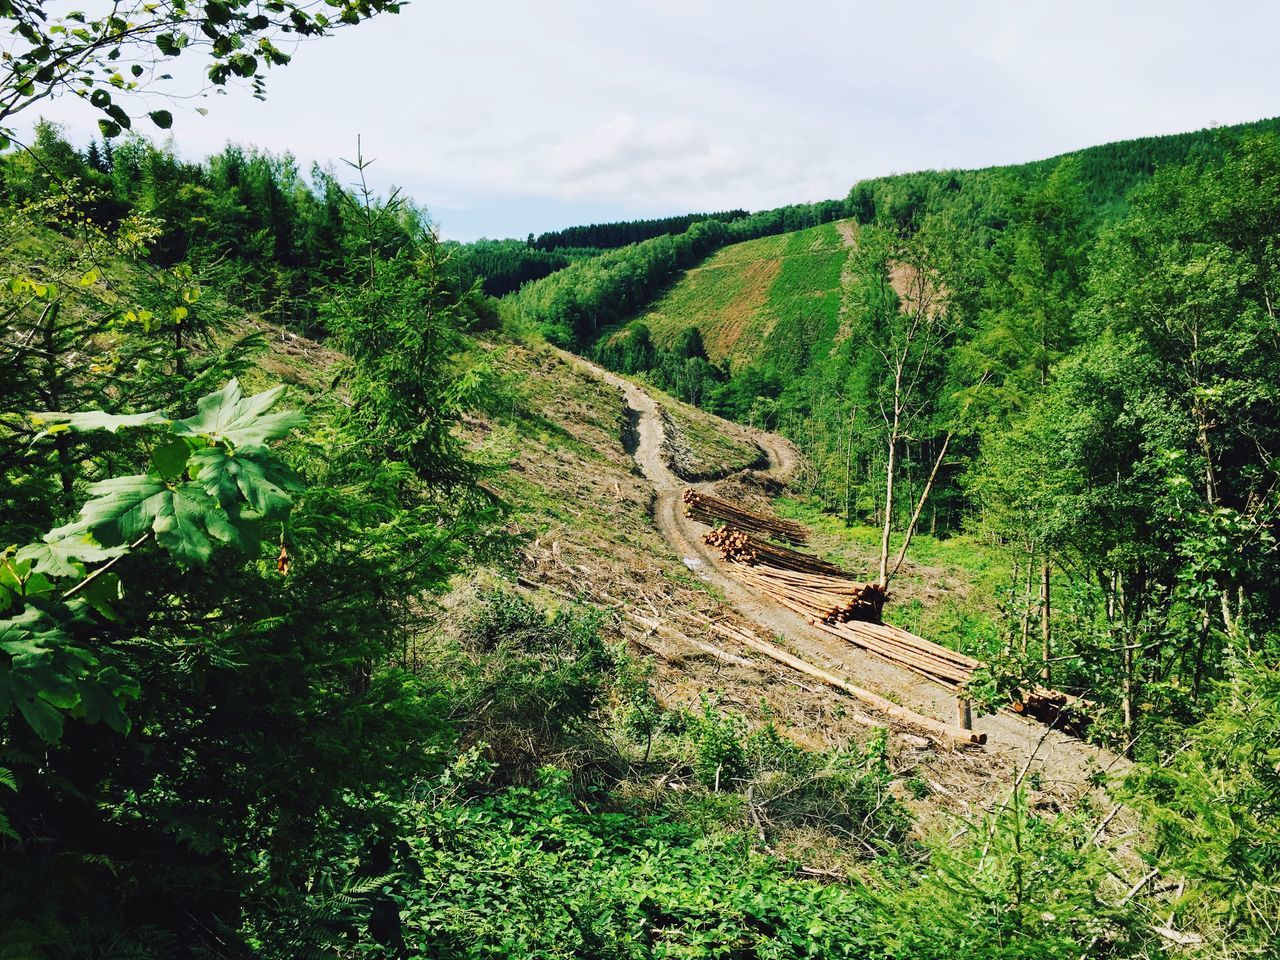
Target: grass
(751,295)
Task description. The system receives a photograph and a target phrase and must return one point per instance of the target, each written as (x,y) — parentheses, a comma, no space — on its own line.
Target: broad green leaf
(19,578)
(250,472)
(94,420)
(44,718)
(230,417)
(101,698)
(237,527)
(31,680)
(170,458)
(122,509)
(181,526)
(102,592)
(66,556)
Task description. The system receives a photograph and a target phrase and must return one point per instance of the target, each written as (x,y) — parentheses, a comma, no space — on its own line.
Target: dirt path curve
(1057,756)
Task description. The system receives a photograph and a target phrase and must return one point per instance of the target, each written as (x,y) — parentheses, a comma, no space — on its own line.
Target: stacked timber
(835,603)
(715,511)
(931,660)
(737,546)
(815,596)
(1052,707)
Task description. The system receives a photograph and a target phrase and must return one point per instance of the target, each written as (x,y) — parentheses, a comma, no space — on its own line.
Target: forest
(1070,398)
(279,465)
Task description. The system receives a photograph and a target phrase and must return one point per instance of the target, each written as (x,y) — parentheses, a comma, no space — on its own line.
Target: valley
(883,577)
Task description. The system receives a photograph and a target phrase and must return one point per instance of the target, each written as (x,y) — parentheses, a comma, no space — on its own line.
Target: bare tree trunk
(848,470)
(915,516)
(888,506)
(1045,672)
(1026,600)
(895,428)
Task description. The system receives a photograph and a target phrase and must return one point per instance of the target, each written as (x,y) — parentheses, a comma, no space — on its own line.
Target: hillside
(606,532)
(749,296)
(344,614)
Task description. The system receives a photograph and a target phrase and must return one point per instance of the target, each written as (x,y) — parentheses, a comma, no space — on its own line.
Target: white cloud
(522,116)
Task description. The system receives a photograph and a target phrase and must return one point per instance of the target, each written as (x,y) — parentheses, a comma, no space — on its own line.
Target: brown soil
(736,318)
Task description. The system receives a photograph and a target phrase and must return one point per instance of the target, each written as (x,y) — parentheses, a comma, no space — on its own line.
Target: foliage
(612,235)
(1213,804)
(89,54)
(573,306)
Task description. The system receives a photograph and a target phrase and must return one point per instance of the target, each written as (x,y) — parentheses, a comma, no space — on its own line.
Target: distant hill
(574,306)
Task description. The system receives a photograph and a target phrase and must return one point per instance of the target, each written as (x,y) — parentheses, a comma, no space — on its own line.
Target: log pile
(831,600)
(931,660)
(736,546)
(815,596)
(943,731)
(851,611)
(715,511)
(1054,708)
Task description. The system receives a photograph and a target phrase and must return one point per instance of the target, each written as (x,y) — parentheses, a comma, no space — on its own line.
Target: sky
(504,118)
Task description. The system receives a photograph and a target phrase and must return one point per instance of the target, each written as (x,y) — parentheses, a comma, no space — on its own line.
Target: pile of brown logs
(931,660)
(817,597)
(1052,707)
(835,603)
(962,731)
(736,546)
(714,511)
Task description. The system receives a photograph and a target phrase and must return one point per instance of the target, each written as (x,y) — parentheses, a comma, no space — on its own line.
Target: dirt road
(1056,755)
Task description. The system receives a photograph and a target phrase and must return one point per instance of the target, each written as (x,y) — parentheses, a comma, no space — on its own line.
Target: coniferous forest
(342,613)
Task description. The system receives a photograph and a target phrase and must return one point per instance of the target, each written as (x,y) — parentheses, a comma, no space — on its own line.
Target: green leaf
(161,118)
(251,472)
(102,592)
(228,416)
(109,129)
(102,698)
(44,719)
(181,527)
(66,556)
(237,527)
(122,509)
(94,420)
(170,458)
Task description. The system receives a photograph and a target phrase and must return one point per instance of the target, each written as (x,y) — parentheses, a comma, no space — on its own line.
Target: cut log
(878,703)
(713,511)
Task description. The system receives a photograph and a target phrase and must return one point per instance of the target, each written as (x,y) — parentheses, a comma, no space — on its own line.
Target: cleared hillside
(751,293)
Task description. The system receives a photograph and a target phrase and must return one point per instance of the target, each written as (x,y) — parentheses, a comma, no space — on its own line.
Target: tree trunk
(915,516)
(1026,600)
(848,471)
(888,508)
(1045,672)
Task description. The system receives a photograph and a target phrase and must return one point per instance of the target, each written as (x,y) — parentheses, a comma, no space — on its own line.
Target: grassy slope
(750,294)
(586,515)
(698,446)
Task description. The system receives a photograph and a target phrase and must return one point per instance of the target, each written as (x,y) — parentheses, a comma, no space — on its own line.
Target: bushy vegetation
(238,719)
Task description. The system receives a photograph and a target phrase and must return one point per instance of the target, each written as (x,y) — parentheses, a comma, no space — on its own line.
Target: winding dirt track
(1058,756)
